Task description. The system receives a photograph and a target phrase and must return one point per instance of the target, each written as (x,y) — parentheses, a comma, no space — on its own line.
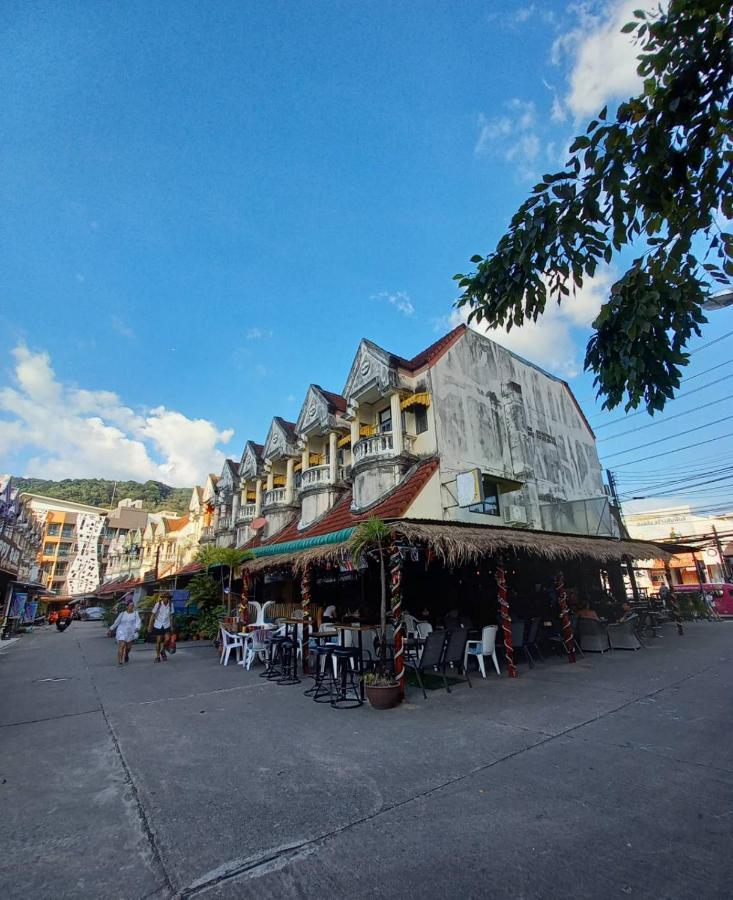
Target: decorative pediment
(251,463)
(280,441)
(227,480)
(315,414)
(372,368)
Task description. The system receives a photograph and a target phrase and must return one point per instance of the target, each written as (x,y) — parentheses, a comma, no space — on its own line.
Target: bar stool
(289,662)
(323,679)
(274,667)
(345,689)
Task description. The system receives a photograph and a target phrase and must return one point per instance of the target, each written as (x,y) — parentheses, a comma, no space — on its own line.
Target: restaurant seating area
(332,660)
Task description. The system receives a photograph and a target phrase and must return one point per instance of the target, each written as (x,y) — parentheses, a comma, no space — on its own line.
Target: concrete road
(610,778)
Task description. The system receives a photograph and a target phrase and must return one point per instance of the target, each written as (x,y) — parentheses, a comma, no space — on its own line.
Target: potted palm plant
(373,537)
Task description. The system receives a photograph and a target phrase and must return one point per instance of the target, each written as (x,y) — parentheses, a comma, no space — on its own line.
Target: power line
(662,440)
(595,399)
(684,480)
(665,420)
(642,412)
(631,462)
(710,343)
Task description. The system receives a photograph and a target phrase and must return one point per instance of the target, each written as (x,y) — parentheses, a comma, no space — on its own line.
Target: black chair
(431,658)
(531,642)
(455,654)
(518,643)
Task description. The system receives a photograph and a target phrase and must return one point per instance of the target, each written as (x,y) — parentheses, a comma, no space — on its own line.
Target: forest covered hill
(98,492)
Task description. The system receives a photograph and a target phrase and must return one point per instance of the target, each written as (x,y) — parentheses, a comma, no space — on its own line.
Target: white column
(354,430)
(235,507)
(258,498)
(333,457)
(305,456)
(397,443)
(289,479)
(270,480)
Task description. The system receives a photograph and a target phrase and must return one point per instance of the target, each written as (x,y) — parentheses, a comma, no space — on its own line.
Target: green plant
(229,557)
(374,536)
(657,174)
(203,591)
(207,622)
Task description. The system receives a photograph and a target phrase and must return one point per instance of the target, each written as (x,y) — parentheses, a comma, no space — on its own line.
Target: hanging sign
(470,487)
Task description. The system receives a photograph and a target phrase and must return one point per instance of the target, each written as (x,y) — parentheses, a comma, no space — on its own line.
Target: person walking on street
(160,625)
(126,627)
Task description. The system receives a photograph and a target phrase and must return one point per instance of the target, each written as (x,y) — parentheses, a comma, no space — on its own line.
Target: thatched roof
(456,543)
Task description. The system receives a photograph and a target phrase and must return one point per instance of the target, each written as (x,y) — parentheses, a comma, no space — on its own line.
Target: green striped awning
(320,540)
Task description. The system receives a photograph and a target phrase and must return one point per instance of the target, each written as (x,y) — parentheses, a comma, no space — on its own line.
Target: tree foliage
(375,536)
(99,492)
(659,174)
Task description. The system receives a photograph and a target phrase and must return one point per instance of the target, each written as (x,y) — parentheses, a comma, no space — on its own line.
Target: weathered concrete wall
(501,414)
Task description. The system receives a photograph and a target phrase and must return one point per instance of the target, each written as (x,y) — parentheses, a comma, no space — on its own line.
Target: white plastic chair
(423,629)
(485,647)
(410,624)
(254,643)
(230,642)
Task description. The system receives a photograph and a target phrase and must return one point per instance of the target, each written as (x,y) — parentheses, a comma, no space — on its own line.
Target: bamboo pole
(567,628)
(395,568)
(506,619)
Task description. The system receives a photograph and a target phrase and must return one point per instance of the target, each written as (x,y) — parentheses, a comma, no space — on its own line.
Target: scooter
(63,624)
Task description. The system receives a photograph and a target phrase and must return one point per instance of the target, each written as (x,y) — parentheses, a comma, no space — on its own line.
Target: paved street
(610,778)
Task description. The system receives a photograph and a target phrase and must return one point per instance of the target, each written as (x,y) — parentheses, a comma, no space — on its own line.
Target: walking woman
(160,625)
(126,627)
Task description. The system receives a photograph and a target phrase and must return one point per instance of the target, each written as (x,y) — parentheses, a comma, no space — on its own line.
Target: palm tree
(375,535)
(223,556)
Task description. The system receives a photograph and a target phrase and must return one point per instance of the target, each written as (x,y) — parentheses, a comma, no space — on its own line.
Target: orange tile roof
(393,506)
(176,524)
(432,353)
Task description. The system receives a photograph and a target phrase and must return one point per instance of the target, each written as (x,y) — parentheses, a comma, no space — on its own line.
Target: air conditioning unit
(515,515)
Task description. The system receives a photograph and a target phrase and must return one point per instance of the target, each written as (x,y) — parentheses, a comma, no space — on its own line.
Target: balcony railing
(379,446)
(207,534)
(224,523)
(274,497)
(316,475)
(246,512)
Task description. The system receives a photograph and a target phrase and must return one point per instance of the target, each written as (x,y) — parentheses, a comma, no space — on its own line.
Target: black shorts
(160,632)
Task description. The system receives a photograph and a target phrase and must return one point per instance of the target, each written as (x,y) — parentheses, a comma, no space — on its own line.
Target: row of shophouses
(463,433)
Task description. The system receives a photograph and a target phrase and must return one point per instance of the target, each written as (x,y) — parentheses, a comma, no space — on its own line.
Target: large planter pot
(383,696)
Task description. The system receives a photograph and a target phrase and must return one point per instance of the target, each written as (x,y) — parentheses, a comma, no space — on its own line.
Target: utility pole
(624,533)
(723,563)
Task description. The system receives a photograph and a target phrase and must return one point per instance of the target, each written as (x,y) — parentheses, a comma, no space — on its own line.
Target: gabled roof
(288,426)
(234,466)
(176,524)
(430,354)
(336,402)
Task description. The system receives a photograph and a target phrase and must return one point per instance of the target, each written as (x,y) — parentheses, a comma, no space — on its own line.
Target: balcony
(246,513)
(379,446)
(224,524)
(274,497)
(207,534)
(316,476)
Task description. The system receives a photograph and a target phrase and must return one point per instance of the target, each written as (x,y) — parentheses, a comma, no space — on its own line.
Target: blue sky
(204,207)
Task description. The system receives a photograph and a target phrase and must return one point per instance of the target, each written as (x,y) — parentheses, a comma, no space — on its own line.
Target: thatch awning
(456,543)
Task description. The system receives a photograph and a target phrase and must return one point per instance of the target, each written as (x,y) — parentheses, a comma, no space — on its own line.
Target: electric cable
(662,440)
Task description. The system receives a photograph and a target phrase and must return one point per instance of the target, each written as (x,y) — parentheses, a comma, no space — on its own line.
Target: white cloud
(399,299)
(603,61)
(551,341)
(511,137)
(73,432)
(258,334)
(121,327)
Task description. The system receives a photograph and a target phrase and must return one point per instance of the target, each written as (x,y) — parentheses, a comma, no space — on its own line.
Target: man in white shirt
(161,620)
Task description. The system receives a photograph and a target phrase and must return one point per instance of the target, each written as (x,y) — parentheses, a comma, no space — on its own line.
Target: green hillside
(98,492)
